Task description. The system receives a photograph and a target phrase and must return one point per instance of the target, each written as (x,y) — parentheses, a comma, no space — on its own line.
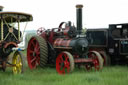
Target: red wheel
(36,45)
(97,60)
(64,63)
(40,31)
(33,52)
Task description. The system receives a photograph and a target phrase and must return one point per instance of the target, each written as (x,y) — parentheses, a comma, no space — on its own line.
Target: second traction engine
(64,47)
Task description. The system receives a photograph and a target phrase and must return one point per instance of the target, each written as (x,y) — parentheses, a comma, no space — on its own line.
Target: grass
(48,76)
(116,75)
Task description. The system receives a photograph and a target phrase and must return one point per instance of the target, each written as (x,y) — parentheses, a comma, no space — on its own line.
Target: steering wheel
(40,30)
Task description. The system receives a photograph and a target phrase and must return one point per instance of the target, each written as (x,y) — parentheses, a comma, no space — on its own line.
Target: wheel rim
(63,63)
(33,53)
(17,61)
(104,58)
(95,60)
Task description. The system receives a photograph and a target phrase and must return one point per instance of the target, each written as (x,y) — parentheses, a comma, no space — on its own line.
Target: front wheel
(64,63)
(18,62)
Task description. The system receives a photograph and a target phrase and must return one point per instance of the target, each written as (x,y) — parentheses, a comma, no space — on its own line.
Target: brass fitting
(79,6)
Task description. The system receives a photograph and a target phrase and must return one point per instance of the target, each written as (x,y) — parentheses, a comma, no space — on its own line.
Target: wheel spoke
(66,58)
(20,67)
(15,70)
(38,59)
(36,47)
(33,44)
(31,51)
(19,62)
(97,65)
(61,59)
(33,60)
(66,64)
(37,52)
(63,71)
(68,69)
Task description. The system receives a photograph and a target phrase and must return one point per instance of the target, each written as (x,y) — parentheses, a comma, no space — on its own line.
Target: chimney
(79,17)
(1,8)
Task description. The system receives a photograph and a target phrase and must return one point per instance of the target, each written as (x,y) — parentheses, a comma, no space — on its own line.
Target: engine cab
(111,42)
(118,36)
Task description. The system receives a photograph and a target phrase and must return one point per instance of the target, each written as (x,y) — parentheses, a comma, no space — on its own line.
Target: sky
(50,13)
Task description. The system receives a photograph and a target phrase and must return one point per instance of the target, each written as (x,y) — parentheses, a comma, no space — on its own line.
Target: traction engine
(65,47)
(10,37)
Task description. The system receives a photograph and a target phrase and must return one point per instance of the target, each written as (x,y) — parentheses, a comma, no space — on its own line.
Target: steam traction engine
(111,43)
(10,37)
(65,47)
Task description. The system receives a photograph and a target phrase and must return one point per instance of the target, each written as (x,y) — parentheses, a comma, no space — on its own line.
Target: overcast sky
(49,13)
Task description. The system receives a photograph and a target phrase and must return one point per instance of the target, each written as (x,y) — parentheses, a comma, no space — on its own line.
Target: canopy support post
(2,34)
(18,29)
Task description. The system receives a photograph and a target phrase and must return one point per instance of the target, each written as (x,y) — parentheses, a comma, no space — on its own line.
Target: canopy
(11,17)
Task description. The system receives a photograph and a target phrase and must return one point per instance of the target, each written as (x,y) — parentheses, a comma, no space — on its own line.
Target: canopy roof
(11,17)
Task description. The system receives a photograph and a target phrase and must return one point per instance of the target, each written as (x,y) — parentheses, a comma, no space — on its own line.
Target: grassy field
(116,75)
(108,76)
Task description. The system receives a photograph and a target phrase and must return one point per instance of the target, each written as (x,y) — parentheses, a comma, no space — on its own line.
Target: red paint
(83,60)
(62,63)
(100,50)
(62,42)
(65,31)
(33,53)
(95,60)
(10,43)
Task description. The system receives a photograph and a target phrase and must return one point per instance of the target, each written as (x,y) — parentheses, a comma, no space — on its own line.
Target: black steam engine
(65,47)
(111,43)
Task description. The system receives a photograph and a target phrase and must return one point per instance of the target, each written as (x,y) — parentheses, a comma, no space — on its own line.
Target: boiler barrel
(78,45)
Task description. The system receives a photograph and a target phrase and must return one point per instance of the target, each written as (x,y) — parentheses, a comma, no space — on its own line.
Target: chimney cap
(79,6)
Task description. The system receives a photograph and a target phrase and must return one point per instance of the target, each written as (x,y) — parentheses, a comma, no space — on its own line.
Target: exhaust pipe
(79,18)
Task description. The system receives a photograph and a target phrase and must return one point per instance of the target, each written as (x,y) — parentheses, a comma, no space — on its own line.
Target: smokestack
(1,8)
(79,17)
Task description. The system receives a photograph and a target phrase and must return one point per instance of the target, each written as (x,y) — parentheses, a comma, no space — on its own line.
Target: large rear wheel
(37,52)
(64,63)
